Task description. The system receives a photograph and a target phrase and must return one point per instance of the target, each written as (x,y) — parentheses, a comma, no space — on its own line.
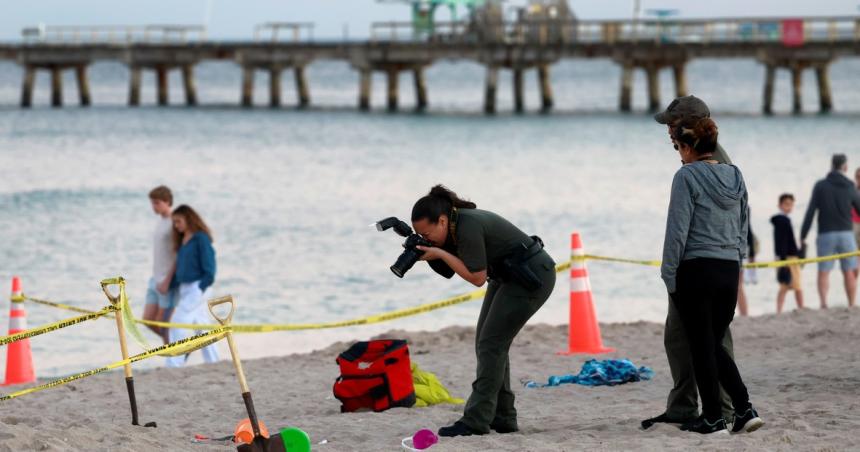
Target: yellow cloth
(428,389)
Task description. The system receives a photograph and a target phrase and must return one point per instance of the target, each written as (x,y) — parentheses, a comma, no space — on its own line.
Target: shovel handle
(221,300)
(119,281)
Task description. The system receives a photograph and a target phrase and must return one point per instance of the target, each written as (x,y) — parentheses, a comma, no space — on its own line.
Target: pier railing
(284,31)
(541,31)
(113,34)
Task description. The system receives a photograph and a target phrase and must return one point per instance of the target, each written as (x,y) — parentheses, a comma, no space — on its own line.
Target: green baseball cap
(687,107)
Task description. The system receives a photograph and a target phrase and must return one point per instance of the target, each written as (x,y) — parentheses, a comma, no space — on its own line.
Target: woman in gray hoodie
(706,234)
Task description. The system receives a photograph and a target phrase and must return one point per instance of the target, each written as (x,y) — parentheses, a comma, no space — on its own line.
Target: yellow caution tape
(266,328)
(421,309)
(55,326)
(591,257)
(773,264)
(179,347)
(55,304)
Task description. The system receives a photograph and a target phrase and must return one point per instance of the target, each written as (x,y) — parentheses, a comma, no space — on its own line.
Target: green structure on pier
(423,11)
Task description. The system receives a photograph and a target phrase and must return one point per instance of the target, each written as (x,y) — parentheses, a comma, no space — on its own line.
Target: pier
(798,45)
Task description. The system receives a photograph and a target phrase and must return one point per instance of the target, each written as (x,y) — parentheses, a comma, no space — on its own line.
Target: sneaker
(703,426)
(458,429)
(504,427)
(747,422)
(665,419)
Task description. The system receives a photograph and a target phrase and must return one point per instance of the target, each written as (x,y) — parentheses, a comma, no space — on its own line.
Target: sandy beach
(801,370)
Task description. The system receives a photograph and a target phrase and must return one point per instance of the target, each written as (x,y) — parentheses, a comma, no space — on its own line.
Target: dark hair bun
(705,129)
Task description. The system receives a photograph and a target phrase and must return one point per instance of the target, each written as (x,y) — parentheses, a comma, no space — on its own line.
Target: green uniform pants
(683,398)
(506,309)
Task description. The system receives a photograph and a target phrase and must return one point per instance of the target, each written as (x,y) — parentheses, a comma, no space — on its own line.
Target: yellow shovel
(260,443)
(116,301)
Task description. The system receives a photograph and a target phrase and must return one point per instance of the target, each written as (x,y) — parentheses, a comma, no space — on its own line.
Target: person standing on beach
(706,234)
(160,298)
(855,217)
(479,246)
(195,273)
(785,248)
(682,404)
(833,198)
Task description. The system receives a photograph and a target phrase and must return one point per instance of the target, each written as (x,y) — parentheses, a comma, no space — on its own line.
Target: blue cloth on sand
(609,372)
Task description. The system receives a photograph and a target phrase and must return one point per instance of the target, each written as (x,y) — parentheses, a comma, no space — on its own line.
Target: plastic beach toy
(422,439)
(295,440)
(244,432)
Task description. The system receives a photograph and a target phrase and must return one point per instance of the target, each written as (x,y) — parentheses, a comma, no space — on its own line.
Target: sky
(234,19)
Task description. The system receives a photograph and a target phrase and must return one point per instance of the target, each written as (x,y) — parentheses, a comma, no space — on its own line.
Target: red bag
(376,375)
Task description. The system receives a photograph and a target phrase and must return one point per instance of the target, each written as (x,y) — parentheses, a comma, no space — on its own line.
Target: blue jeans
(836,242)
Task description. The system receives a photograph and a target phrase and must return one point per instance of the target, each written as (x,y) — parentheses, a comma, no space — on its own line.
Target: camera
(411,253)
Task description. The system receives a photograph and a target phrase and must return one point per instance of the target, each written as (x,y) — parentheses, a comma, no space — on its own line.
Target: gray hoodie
(833,197)
(708,217)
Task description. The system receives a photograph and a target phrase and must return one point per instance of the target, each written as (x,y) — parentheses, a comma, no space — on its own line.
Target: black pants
(706,297)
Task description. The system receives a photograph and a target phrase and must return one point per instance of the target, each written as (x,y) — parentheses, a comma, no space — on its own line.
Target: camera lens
(405,262)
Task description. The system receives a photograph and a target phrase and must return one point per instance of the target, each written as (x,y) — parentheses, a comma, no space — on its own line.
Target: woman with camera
(479,246)
(706,233)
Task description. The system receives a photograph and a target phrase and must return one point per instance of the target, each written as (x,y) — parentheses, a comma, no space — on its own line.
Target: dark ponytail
(699,134)
(438,202)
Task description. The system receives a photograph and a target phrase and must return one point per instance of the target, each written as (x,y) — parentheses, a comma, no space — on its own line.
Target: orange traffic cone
(583,330)
(19,359)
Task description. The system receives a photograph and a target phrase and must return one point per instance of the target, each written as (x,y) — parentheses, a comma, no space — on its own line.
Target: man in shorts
(160,299)
(833,198)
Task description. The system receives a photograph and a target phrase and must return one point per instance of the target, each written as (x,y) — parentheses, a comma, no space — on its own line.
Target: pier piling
(769,78)
(364,87)
(653,88)
(275,87)
(545,88)
(162,85)
(519,104)
(56,87)
(302,86)
(83,85)
(27,86)
(393,78)
(680,75)
(247,86)
(490,90)
(190,88)
(796,86)
(825,100)
(420,89)
(134,86)
(626,100)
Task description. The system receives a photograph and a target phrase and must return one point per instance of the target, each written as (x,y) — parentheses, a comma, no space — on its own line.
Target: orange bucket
(244,432)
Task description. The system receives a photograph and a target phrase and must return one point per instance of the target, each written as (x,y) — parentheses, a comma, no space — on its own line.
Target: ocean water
(290,194)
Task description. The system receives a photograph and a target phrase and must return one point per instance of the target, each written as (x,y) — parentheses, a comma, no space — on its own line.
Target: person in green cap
(682,406)
(481,246)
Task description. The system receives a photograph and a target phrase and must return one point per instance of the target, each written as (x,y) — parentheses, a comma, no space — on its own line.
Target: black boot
(458,429)
(501,426)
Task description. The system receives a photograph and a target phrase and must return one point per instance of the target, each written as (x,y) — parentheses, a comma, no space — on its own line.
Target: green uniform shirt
(483,237)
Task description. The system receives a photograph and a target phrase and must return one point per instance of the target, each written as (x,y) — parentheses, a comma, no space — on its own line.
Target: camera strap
(452,225)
